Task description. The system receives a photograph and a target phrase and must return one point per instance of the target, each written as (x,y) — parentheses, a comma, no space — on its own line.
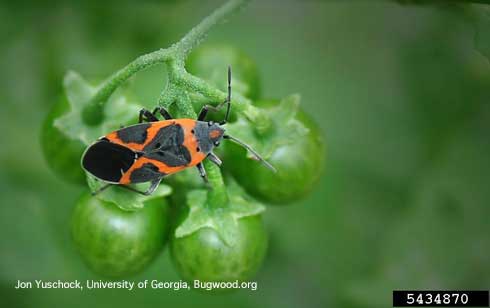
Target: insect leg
(163,112)
(215,159)
(147,116)
(149,191)
(227,101)
(101,189)
(206,108)
(202,172)
(153,186)
(228,98)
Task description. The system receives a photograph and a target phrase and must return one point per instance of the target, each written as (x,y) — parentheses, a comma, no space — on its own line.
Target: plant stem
(242,104)
(197,34)
(217,196)
(93,113)
(176,91)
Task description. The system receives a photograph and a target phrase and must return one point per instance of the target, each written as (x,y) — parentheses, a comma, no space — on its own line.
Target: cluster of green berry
(216,233)
(207,242)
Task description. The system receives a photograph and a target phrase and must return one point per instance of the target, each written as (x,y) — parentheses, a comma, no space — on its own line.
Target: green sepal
(286,129)
(223,220)
(79,92)
(124,198)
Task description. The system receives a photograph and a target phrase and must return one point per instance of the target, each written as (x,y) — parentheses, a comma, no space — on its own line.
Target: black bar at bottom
(440,298)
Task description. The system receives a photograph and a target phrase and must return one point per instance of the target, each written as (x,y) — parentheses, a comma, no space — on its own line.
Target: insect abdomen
(108,161)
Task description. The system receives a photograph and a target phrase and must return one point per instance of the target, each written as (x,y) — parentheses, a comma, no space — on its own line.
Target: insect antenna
(228,98)
(255,154)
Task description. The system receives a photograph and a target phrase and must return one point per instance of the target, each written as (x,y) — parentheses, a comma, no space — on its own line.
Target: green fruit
(117,243)
(204,256)
(62,154)
(211,62)
(299,164)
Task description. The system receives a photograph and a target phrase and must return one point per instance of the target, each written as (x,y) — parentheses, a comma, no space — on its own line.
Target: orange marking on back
(214,134)
(150,134)
(190,142)
(126,178)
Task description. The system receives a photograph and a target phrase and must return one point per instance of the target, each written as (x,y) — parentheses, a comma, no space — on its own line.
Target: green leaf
(482,36)
(124,198)
(118,111)
(285,128)
(223,220)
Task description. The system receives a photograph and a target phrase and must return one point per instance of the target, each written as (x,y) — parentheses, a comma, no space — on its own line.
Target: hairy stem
(240,103)
(180,83)
(197,34)
(93,113)
(217,196)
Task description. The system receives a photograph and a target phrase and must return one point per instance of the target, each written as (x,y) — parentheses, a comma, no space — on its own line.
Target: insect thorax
(208,135)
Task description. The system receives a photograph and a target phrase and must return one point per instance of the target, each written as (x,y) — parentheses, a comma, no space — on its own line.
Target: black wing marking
(173,157)
(167,147)
(134,134)
(107,161)
(145,173)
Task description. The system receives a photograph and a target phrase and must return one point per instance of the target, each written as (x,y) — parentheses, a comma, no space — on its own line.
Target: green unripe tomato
(211,62)
(204,256)
(299,165)
(116,243)
(62,154)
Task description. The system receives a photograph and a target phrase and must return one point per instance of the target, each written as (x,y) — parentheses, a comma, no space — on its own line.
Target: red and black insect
(148,152)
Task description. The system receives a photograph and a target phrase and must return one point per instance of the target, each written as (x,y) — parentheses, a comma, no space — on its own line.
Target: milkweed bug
(148,152)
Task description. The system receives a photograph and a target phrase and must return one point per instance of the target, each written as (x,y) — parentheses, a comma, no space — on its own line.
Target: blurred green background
(398,88)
